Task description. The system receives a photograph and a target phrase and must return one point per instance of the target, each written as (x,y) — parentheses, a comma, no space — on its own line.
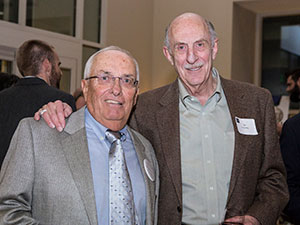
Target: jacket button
(179,209)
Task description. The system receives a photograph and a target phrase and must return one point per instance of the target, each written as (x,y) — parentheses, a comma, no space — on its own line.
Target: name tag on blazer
(246,126)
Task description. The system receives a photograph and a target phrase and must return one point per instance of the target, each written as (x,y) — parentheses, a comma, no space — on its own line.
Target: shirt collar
(183,93)
(99,129)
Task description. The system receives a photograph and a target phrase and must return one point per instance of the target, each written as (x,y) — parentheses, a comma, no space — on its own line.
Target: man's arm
(54,113)
(271,188)
(17,179)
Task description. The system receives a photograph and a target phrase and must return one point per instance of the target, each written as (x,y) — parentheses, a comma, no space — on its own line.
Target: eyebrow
(110,73)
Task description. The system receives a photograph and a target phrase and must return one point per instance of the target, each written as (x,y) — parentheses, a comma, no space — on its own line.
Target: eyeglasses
(106,78)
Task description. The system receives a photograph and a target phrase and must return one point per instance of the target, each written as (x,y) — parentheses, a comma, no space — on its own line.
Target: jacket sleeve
(17,178)
(271,190)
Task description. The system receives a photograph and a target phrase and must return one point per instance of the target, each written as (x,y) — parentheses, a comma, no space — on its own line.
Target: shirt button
(211,188)
(208,161)
(213,215)
(101,138)
(206,135)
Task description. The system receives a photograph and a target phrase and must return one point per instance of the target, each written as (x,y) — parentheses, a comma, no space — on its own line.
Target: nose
(116,87)
(191,56)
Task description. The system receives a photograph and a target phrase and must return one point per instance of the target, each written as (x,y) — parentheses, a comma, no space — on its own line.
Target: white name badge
(246,126)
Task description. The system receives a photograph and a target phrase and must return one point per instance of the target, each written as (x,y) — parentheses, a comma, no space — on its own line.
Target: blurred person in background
(39,64)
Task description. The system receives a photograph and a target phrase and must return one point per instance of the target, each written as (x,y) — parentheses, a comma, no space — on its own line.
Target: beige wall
(138,25)
(129,26)
(218,12)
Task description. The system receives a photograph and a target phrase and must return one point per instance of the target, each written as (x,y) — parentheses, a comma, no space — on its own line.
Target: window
(5,66)
(280,53)
(71,26)
(9,10)
(86,53)
(91,20)
(65,82)
(55,15)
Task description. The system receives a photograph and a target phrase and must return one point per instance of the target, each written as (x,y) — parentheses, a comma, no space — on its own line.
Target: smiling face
(110,104)
(191,51)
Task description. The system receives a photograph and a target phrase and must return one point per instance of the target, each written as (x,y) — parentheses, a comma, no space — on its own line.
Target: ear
(168,55)
(215,49)
(46,67)
(136,95)
(84,88)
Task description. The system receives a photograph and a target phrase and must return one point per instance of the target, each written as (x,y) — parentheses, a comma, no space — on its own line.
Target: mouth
(194,67)
(114,102)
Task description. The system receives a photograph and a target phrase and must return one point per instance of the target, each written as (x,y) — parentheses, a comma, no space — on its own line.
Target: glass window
(86,53)
(280,51)
(91,21)
(65,82)
(5,66)
(9,10)
(55,15)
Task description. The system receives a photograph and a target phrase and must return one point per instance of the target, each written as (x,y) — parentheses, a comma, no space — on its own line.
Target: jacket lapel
(237,107)
(150,186)
(76,151)
(168,127)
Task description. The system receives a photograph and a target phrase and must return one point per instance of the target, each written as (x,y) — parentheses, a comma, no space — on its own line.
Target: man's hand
(54,113)
(245,220)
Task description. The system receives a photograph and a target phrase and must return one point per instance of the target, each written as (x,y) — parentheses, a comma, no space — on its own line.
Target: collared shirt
(99,150)
(207,145)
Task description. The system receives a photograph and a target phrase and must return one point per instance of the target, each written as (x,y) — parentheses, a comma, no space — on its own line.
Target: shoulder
(38,130)
(157,93)
(243,87)
(293,122)
(61,95)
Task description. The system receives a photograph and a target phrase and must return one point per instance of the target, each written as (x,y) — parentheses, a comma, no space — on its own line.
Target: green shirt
(207,145)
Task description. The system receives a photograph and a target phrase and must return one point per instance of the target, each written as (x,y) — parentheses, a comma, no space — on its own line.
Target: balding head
(188,18)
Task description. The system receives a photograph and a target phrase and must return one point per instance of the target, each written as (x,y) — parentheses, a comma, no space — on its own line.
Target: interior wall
(218,12)
(130,26)
(243,44)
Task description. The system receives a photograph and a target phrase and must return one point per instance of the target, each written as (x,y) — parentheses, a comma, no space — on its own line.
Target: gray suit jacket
(46,177)
(257,185)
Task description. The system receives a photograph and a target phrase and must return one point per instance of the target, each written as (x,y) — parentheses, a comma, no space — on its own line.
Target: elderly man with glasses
(97,171)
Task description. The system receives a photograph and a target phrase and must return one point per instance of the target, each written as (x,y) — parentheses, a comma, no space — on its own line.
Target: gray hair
(90,61)
(211,30)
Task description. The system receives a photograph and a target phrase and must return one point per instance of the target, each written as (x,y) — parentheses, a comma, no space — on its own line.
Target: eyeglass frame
(113,78)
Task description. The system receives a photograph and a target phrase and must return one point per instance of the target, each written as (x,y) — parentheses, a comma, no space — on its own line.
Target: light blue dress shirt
(98,150)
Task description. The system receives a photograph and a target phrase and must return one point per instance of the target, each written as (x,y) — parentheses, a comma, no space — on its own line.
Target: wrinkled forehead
(188,28)
(116,62)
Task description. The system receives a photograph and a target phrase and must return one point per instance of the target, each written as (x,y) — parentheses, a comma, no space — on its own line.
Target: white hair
(90,61)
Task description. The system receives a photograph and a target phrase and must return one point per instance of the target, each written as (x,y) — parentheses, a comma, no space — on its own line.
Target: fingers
(245,220)
(67,110)
(55,111)
(46,116)
(234,220)
(37,115)
(54,114)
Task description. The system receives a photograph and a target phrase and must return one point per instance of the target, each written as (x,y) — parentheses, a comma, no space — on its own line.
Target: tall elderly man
(97,171)
(215,139)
